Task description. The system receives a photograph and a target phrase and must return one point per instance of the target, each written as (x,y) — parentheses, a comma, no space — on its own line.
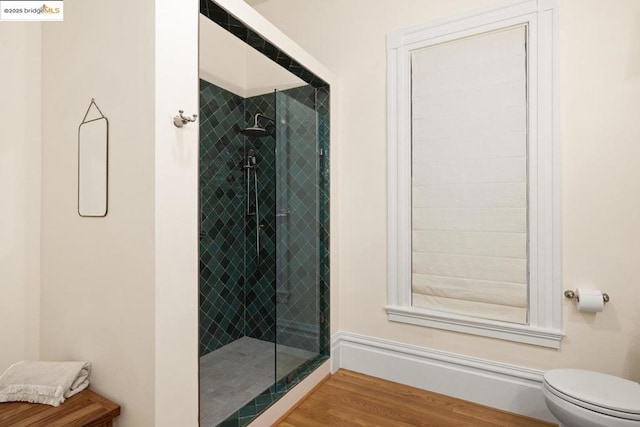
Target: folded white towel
(43,382)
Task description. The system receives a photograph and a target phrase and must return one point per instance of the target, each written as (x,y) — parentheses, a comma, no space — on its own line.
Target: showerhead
(256,130)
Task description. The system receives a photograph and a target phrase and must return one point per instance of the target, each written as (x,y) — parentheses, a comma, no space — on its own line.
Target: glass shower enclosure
(264,220)
(297,229)
(263,247)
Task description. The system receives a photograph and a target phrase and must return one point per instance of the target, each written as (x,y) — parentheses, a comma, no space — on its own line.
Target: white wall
(19,192)
(264,75)
(98,281)
(176,215)
(230,63)
(223,58)
(121,291)
(600,100)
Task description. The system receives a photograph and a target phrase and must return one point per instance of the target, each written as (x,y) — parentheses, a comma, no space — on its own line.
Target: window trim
(545,285)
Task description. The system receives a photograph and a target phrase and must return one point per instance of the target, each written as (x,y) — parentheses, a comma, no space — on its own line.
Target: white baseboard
(498,385)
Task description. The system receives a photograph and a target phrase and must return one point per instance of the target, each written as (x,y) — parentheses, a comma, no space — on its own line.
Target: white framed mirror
(93,149)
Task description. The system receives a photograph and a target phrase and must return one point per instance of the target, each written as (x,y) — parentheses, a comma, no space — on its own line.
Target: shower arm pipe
(255,119)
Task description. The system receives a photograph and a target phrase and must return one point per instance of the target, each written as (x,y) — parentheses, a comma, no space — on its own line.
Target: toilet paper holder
(571,294)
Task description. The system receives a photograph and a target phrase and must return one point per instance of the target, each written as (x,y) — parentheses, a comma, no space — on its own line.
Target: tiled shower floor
(235,374)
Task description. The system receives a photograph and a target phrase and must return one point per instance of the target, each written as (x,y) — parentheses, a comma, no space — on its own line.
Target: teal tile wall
(222,239)
(236,293)
(260,278)
(237,296)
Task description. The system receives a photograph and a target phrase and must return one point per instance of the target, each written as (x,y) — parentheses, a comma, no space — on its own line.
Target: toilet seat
(605,394)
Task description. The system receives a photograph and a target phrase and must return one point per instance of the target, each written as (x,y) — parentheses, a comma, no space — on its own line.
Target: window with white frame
(474,221)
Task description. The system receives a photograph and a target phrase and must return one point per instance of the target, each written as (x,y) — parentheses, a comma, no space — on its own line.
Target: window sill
(475,326)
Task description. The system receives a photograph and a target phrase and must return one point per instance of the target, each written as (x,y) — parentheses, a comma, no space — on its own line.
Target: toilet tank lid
(597,389)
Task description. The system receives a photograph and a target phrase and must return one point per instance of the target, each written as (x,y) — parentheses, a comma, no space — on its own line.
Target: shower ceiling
(231,64)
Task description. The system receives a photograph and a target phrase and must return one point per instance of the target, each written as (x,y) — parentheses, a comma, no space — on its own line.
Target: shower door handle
(259,229)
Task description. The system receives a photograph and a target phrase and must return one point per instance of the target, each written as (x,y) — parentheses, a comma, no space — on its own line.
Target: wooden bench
(85,409)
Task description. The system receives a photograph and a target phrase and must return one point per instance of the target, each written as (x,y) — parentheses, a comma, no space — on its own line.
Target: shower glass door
(297,230)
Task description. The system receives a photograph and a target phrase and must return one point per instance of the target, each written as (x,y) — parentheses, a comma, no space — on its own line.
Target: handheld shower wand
(252,165)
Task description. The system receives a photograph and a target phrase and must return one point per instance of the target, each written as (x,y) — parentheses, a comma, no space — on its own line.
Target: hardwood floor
(351,399)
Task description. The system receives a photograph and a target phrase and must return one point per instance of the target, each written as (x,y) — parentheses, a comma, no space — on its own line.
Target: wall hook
(181,120)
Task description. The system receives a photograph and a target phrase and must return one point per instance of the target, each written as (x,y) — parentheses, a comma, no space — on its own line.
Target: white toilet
(580,398)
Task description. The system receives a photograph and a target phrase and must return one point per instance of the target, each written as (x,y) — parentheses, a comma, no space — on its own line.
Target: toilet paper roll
(590,301)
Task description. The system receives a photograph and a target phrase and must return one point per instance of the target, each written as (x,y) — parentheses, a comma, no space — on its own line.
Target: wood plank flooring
(351,399)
